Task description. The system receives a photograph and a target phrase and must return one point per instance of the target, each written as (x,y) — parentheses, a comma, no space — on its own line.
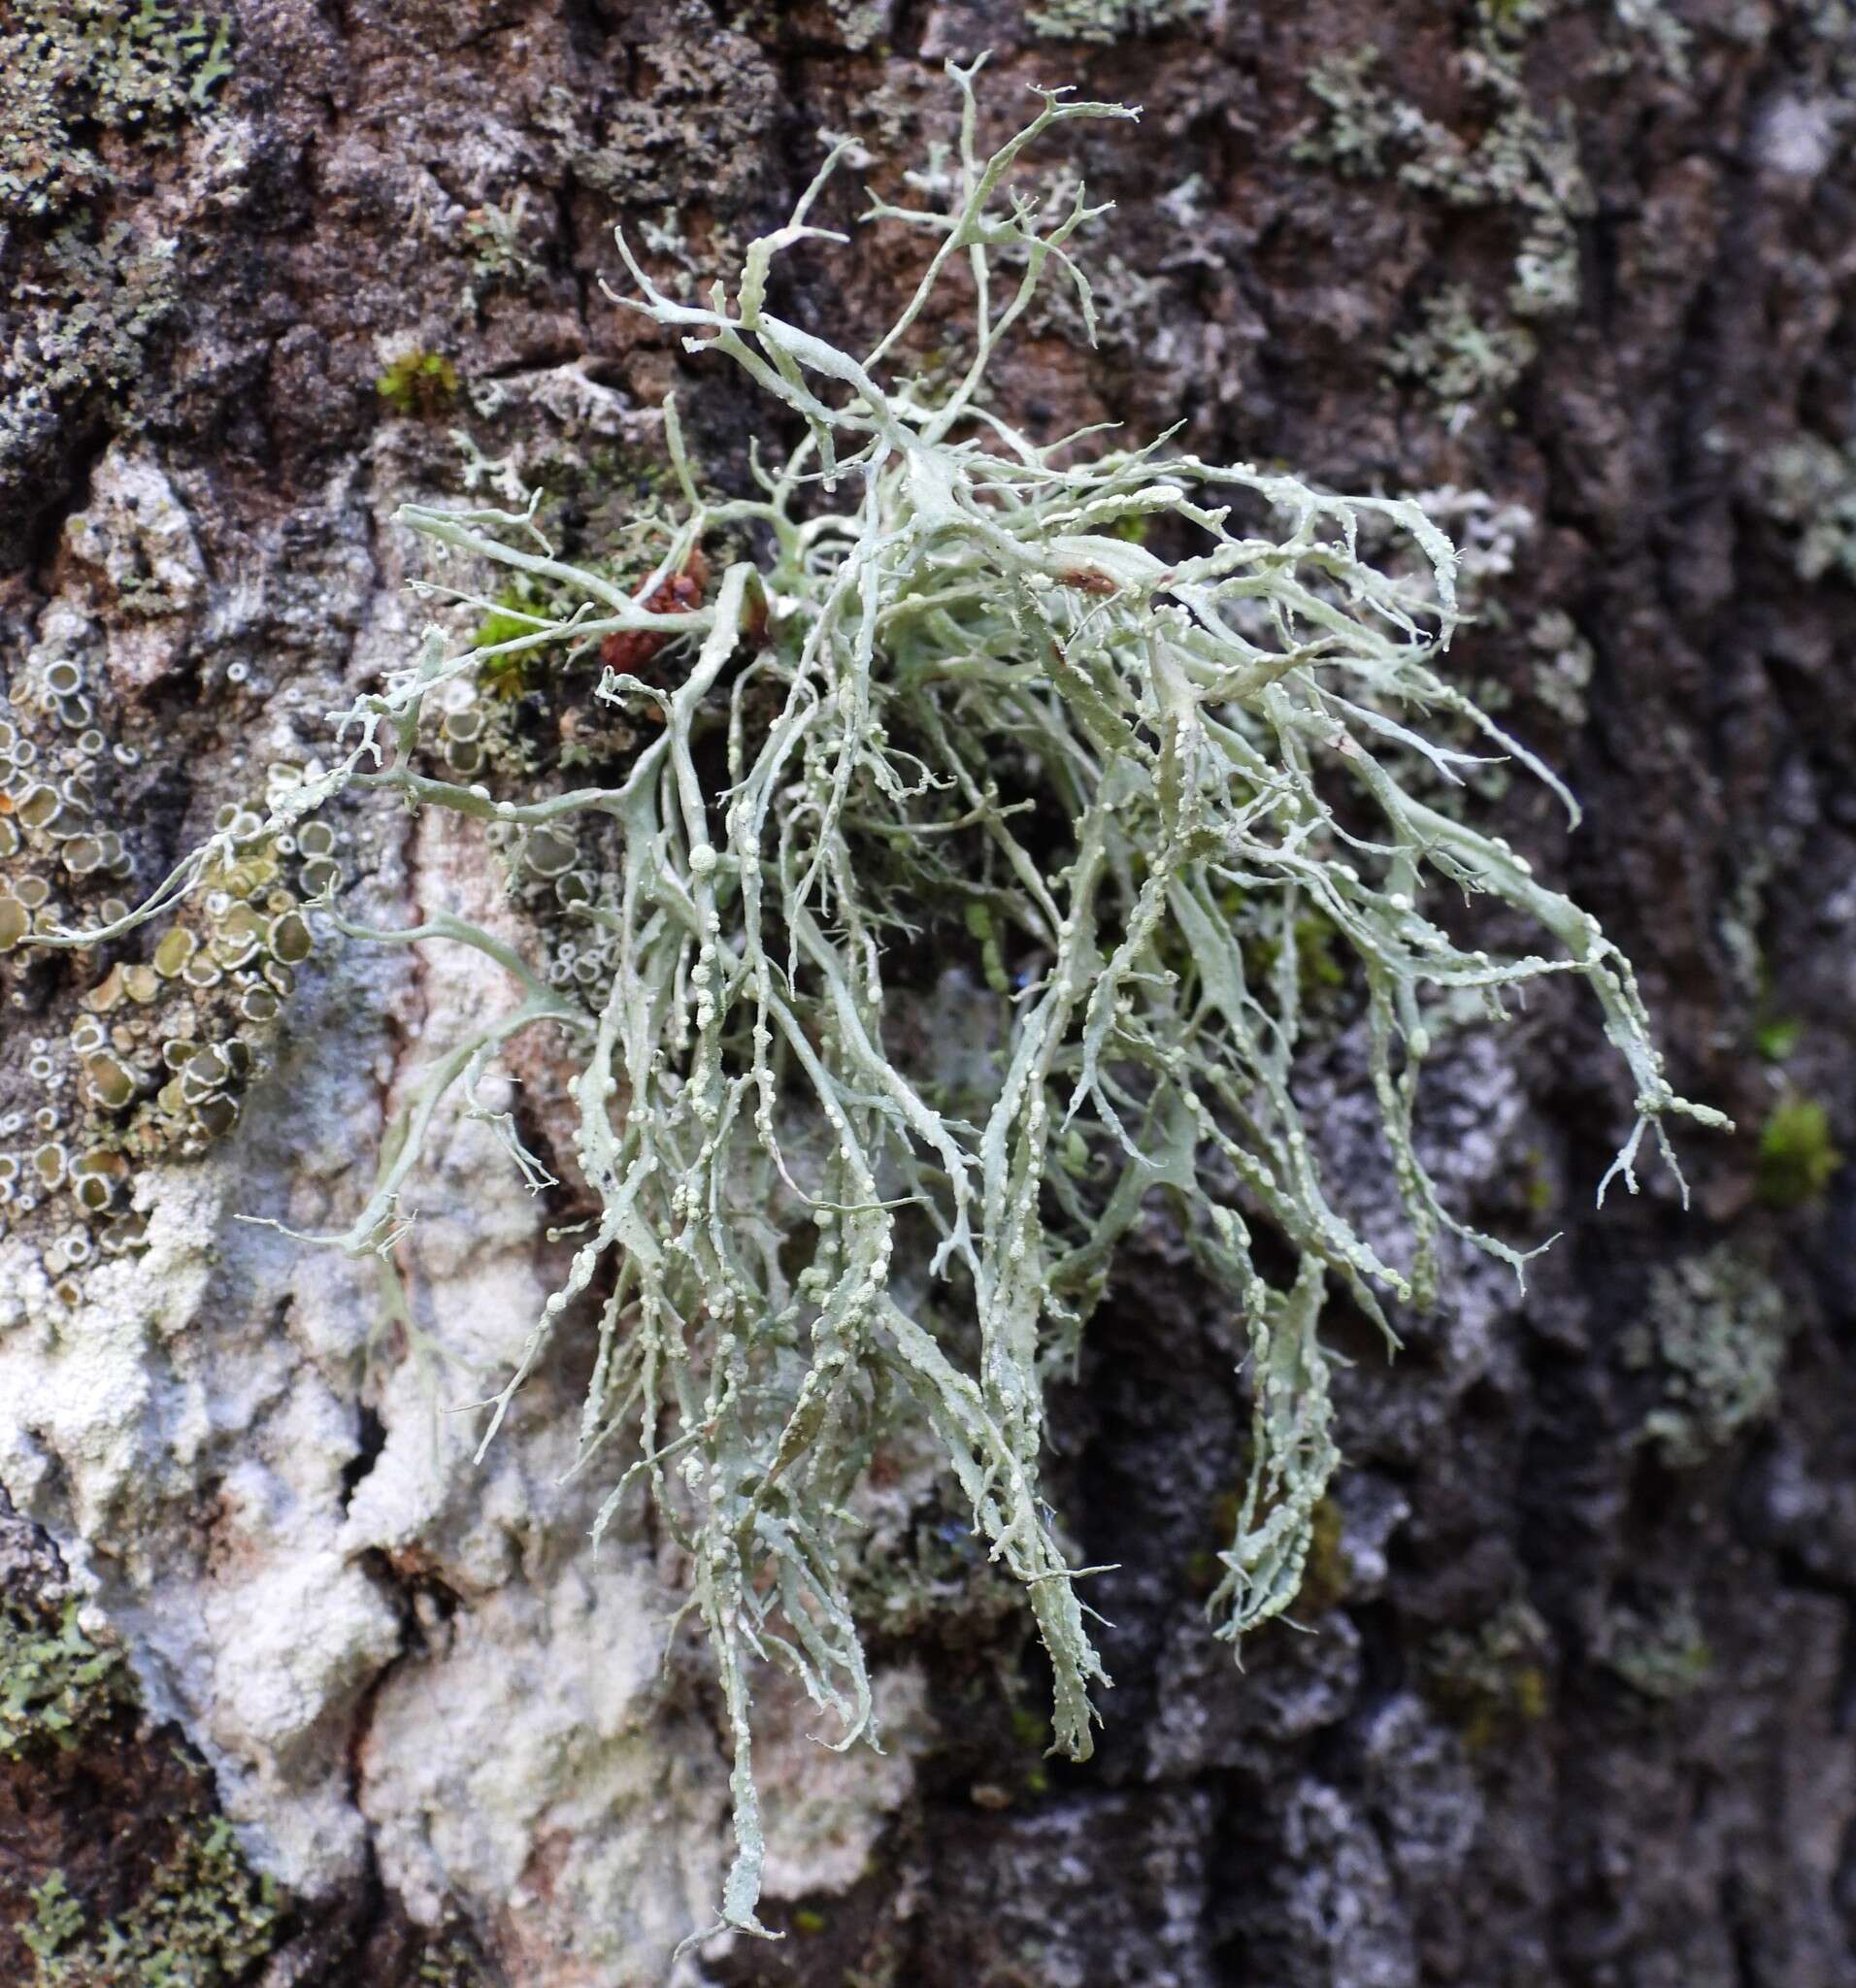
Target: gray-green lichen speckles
(70,69)
(1660,1651)
(1521,162)
(85,316)
(1458,361)
(1114,21)
(1562,670)
(1808,486)
(1714,1334)
(171,1902)
(708,91)
(89,91)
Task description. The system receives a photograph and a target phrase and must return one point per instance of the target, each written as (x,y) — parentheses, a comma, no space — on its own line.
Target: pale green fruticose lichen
(955,709)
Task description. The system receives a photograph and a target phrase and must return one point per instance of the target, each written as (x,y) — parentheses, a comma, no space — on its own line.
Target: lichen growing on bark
(178,1907)
(75,68)
(55,1683)
(202,1921)
(1099,734)
(1715,1331)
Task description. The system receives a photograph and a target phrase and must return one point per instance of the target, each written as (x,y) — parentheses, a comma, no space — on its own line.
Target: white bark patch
(137,545)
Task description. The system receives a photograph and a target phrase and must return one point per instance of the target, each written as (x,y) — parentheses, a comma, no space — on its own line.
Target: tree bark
(1576,1704)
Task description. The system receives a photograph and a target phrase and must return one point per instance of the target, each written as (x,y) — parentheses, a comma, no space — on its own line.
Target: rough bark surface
(1576,1711)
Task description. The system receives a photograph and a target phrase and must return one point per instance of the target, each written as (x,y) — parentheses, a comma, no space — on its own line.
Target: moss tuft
(1797,1159)
(1776,1037)
(1495,1679)
(423,384)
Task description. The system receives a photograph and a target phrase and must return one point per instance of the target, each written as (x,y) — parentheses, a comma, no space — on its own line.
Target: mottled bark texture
(1576,1708)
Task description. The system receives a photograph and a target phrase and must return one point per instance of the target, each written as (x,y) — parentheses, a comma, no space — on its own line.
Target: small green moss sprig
(418,382)
(1798,1158)
(1494,1681)
(959,710)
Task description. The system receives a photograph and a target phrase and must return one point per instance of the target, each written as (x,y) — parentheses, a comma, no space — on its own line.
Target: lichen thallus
(957,698)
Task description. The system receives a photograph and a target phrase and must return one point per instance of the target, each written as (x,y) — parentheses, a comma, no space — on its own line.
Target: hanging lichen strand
(958,713)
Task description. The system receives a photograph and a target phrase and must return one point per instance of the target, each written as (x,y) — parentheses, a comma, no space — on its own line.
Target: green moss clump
(450,1961)
(1329,1573)
(1538,1191)
(1797,1159)
(1032,1731)
(423,384)
(516,612)
(1314,940)
(1777,1037)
